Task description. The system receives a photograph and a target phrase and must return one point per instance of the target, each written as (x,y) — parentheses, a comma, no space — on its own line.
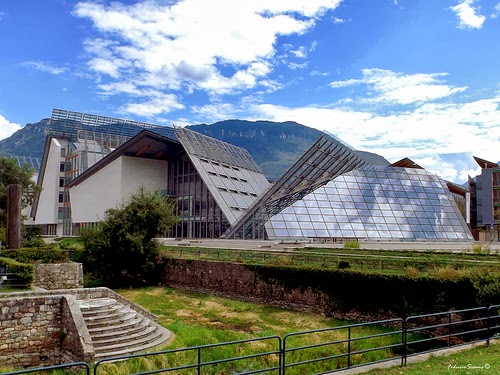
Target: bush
(24,272)
(351,244)
(122,250)
(37,255)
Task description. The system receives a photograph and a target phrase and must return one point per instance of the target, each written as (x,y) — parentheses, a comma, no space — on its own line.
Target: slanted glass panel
(391,203)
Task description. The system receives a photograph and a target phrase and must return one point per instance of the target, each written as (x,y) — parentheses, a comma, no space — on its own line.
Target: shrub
(122,250)
(24,272)
(351,244)
(412,272)
(478,248)
(37,255)
(450,273)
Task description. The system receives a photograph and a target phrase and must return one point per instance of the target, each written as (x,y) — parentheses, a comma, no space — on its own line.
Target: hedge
(37,255)
(24,272)
(404,295)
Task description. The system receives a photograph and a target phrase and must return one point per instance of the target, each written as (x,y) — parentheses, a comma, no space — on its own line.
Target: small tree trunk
(14,216)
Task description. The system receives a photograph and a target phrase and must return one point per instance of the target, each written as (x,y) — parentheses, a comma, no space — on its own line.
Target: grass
(199,319)
(480,360)
(380,261)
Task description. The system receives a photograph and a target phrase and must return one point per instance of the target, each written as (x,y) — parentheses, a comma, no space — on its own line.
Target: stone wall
(30,330)
(42,330)
(234,280)
(59,276)
(76,345)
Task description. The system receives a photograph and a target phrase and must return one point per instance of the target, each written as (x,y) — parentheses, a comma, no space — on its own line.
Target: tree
(122,250)
(12,173)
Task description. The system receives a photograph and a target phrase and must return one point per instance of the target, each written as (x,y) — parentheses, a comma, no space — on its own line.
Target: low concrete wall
(59,276)
(41,331)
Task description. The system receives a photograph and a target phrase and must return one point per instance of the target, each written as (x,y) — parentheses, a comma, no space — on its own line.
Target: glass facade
(200,215)
(378,203)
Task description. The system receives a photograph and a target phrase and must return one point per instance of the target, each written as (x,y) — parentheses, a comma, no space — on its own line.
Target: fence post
(349,347)
(449,328)
(488,334)
(283,356)
(405,342)
(199,361)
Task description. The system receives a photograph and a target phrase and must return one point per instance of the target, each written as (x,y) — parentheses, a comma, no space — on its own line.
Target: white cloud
(156,104)
(496,11)
(188,45)
(45,67)
(7,128)
(399,88)
(294,66)
(467,15)
(425,134)
(301,52)
(337,20)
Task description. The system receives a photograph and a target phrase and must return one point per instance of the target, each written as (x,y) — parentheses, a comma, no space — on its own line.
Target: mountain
(28,141)
(274,146)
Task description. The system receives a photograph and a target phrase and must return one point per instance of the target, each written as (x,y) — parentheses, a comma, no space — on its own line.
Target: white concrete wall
(113,184)
(137,172)
(97,193)
(49,196)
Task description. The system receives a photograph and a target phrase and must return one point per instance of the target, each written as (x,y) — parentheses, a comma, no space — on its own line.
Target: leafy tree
(12,173)
(122,250)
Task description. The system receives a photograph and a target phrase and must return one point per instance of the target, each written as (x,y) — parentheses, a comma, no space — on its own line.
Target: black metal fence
(311,352)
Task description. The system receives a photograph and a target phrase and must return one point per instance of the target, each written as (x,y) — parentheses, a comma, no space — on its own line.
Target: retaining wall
(237,281)
(40,331)
(59,276)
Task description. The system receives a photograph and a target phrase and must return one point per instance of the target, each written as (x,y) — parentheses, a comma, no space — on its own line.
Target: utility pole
(14,216)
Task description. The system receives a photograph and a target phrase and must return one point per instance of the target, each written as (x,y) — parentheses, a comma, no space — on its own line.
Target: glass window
(278,224)
(292,224)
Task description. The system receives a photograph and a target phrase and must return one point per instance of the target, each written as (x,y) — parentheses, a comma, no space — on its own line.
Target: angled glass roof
(203,146)
(324,161)
(70,124)
(375,203)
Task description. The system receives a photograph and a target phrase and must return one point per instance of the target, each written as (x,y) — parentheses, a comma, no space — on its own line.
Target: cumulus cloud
(496,11)
(154,104)
(46,67)
(191,45)
(467,15)
(421,134)
(7,128)
(399,88)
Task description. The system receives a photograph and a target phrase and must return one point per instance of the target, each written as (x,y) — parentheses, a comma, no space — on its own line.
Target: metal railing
(200,358)
(317,351)
(48,369)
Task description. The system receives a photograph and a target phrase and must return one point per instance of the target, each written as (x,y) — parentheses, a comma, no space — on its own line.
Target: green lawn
(381,261)
(480,360)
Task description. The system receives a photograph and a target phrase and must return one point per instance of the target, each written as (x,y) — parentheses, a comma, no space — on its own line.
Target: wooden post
(14,216)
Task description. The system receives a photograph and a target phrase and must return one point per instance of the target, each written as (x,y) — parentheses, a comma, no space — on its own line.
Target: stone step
(108,309)
(123,338)
(108,314)
(117,327)
(95,304)
(118,330)
(111,320)
(161,340)
(127,328)
(131,344)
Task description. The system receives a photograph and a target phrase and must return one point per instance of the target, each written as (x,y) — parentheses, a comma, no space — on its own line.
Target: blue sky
(402,78)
